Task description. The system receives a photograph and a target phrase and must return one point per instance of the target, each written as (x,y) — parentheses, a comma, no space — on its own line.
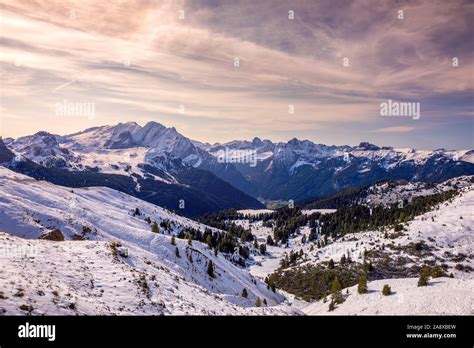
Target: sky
(219,70)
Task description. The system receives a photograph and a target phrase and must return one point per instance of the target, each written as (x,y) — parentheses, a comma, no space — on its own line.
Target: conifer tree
(362,286)
(244,293)
(386,290)
(303,239)
(336,294)
(173,240)
(332,306)
(209,241)
(424,276)
(343,259)
(176,252)
(270,240)
(331,264)
(437,272)
(210,269)
(371,267)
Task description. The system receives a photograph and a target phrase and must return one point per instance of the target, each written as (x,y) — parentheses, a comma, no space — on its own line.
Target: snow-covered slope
(446,232)
(297,169)
(30,209)
(156,138)
(302,170)
(43,148)
(166,179)
(442,237)
(386,193)
(296,153)
(40,277)
(117,149)
(442,296)
(111,262)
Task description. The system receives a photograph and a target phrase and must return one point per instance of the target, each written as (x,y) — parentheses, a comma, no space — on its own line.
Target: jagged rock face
(125,140)
(368,146)
(297,169)
(5,154)
(301,169)
(43,148)
(55,235)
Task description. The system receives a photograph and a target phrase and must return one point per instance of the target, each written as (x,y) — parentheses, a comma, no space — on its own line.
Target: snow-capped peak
(43,148)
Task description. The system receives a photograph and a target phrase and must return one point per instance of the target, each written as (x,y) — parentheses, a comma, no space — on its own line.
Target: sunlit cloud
(141,60)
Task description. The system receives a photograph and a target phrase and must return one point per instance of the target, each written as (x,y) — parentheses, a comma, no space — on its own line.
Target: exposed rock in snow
(54,235)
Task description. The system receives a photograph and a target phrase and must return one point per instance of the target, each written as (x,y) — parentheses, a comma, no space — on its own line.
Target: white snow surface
(29,208)
(322,211)
(253,212)
(75,151)
(448,229)
(87,277)
(386,193)
(442,296)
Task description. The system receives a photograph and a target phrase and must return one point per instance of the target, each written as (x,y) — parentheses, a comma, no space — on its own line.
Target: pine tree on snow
(424,276)
(210,269)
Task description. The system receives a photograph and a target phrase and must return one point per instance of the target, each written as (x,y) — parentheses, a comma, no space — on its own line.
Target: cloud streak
(396,129)
(138,60)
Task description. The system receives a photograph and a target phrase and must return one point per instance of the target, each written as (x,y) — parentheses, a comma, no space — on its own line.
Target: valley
(298,170)
(127,219)
(96,250)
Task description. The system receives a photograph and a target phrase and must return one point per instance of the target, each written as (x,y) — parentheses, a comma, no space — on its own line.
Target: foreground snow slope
(442,296)
(30,208)
(41,277)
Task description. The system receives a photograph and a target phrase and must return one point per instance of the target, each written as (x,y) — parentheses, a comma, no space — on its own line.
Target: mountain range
(89,212)
(162,166)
